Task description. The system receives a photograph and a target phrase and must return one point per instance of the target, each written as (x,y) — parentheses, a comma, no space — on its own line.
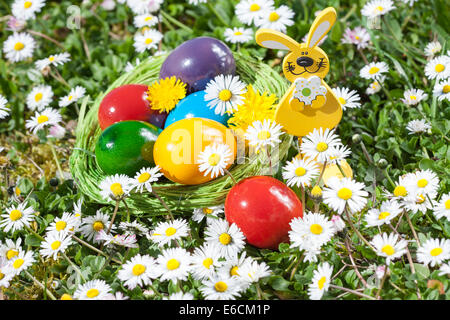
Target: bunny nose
(305,61)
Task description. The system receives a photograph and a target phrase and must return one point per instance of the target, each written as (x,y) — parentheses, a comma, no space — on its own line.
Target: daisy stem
(175,21)
(347,245)
(340,169)
(356,293)
(128,210)
(363,56)
(38,34)
(59,78)
(321,173)
(377,297)
(388,177)
(386,92)
(360,236)
(34,233)
(36,281)
(259,292)
(230,175)
(155,290)
(55,157)
(116,208)
(270,160)
(74,266)
(302,188)
(412,228)
(214,11)
(294,270)
(163,203)
(93,248)
(366,154)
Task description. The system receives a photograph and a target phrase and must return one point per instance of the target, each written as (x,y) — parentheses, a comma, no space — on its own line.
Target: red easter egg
(262,207)
(128,102)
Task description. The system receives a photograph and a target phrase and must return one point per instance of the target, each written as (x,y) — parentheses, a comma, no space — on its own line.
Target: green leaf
(422,271)
(425,164)
(279,283)
(32,240)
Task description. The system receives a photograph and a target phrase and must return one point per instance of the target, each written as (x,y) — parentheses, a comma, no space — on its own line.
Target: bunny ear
(272,39)
(321,26)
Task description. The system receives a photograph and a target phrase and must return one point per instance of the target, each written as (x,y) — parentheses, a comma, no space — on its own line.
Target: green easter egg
(126,147)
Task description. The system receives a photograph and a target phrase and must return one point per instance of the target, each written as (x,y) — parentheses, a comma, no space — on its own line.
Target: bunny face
(305,62)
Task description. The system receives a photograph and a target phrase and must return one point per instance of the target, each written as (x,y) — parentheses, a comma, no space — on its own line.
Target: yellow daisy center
(422,183)
(213,159)
(436,251)
(15,215)
(446,89)
(19,46)
(18,263)
(55,245)
(255,7)
(173,264)
(11,253)
(439,67)
(379,8)
(413,97)
(116,189)
(300,171)
(221,286)
(138,269)
(264,135)
(342,100)
(383,215)
(344,193)
(170,231)
(321,147)
(374,70)
(447,204)
(274,17)
(148,18)
(17,191)
(400,191)
(27,4)
(51,58)
(321,282)
(42,118)
(388,249)
(98,225)
(357,37)
(420,199)
(144,177)
(2,275)
(70,98)
(234,271)
(207,263)
(38,96)
(60,225)
(238,33)
(66,296)
(92,293)
(207,210)
(225,95)
(316,191)
(148,41)
(225,238)
(316,229)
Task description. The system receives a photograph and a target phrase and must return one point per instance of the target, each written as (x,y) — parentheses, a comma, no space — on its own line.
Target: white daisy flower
(92,225)
(5,273)
(115,187)
(144,6)
(425,182)
(247,11)
(4,110)
(442,208)
(77,212)
(228,239)
(144,179)
(347,98)
(145,20)
(438,68)
(231,268)
(376,8)
(214,159)
(220,288)
(26,9)
(319,143)
(225,93)
(374,70)
(263,134)
(253,271)
(311,231)
(93,290)
(432,49)
(21,262)
(54,243)
(180,296)
(387,211)
(53,60)
(68,222)
(196,2)
(375,86)
(345,192)
(19,46)
(39,97)
(434,251)
(165,232)
(42,119)
(174,264)
(210,213)
(416,201)
(127,241)
(444,269)
(130,67)
(133,227)
(138,271)
(358,36)
(413,96)
(338,153)
(389,246)
(442,89)
(276,19)
(74,95)
(10,249)
(338,223)
(320,281)
(147,40)
(418,126)
(401,187)
(205,261)
(300,172)
(238,35)
(17,217)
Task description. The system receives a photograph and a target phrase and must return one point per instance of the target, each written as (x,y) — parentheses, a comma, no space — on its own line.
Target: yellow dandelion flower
(256,106)
(164,94)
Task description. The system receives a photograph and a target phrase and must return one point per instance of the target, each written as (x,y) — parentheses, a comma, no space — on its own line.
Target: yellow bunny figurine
(309,103)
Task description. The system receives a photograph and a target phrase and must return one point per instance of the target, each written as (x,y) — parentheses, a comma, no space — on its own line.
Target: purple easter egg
(197,61)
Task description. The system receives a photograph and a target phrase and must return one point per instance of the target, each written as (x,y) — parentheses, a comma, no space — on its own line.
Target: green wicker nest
(180,198)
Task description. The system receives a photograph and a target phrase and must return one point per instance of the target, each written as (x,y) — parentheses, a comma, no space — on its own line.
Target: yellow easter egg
(178,147)
(332,170)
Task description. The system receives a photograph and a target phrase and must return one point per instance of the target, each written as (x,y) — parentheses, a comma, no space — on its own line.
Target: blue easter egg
(194,106)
